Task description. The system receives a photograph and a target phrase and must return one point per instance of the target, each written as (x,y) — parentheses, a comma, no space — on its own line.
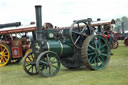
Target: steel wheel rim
(48,64)
(4,55)
(29,64)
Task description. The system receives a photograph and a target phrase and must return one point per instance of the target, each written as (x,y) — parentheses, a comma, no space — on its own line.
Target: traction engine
(73,47)
(12,48)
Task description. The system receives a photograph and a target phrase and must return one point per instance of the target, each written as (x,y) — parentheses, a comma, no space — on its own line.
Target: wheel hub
(1,54)
(98,51)
(49,63)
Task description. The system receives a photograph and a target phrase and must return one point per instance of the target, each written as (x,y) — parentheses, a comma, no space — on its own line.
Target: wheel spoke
(33,57)
(96,44)
(48,57)
(90,50)
(99,43)
(49,69)
(93,59)
(3,50)
(29,58)
(94,62)
(43,62)
(4,60)
(91,54)
(102,51)
(76,32)
(104,54)
(30,68)
(103,46)
(6,52)
(4,55)
(54,66)
(91,46)
(90,57)
(27,65)
(82,30)
(77,39)
(99,59)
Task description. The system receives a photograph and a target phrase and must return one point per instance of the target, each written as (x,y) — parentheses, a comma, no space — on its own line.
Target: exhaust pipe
(38,22)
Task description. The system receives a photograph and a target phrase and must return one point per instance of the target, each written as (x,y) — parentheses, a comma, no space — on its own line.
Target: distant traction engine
(12,48)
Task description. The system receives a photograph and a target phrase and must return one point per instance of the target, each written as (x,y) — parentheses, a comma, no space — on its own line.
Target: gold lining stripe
(48,46)
(61,48)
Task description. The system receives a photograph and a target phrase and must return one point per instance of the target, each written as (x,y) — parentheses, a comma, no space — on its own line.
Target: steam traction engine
(106,29)
(12,47)
(74,47)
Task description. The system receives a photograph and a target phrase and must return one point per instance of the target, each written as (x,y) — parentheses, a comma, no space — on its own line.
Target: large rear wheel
(5,54)
(95,52)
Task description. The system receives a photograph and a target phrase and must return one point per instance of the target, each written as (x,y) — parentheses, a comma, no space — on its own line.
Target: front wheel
(48,64)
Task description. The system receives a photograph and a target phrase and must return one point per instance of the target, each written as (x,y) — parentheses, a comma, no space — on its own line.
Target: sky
(61,12)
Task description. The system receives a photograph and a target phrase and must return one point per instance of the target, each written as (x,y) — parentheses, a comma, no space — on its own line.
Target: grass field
(116,73)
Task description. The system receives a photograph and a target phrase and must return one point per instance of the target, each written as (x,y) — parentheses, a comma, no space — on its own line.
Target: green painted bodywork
(50,34)
(62,46)
(62,49)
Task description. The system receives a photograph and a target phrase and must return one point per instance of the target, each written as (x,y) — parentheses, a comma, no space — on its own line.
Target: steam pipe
(38,22)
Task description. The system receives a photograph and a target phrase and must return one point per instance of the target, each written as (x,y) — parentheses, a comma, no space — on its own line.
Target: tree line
(121,23)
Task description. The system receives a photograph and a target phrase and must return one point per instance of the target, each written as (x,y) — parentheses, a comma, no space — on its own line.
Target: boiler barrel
(60,48)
